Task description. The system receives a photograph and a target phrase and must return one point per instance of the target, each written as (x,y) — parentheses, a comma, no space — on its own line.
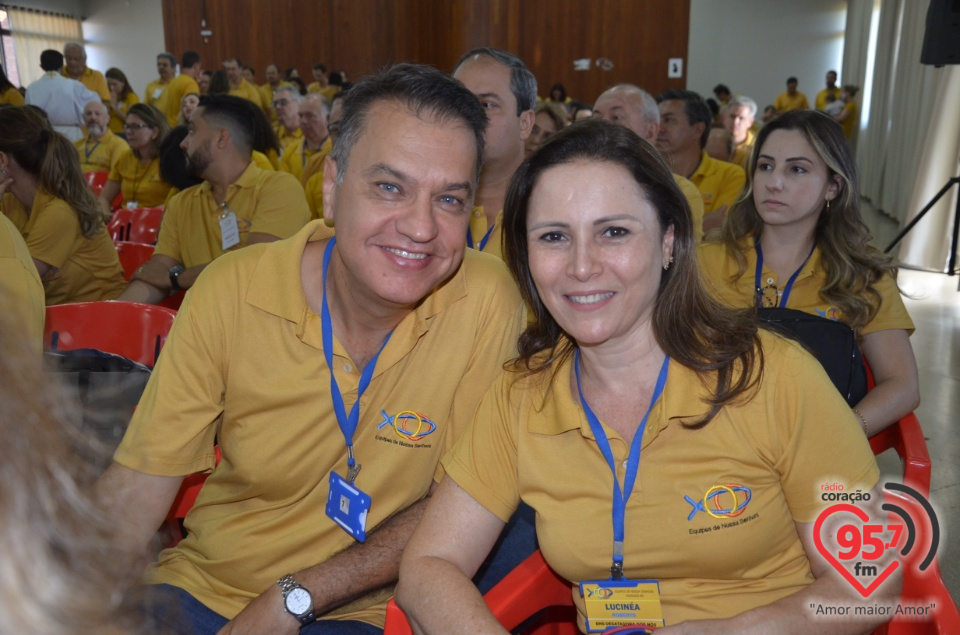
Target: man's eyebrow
(488,96)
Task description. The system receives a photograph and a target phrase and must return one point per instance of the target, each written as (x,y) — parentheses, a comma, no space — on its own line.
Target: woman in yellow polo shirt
(631,374)
(796,240)
(136,174)
(64,230)
(121,98)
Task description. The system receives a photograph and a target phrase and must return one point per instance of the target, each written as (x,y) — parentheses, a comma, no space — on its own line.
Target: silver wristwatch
(297,600)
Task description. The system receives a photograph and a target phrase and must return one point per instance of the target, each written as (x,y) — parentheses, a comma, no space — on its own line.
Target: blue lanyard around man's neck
(347,423)
(483,241)
(620,497)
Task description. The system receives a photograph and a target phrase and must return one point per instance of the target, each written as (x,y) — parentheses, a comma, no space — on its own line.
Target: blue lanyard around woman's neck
(347,423)
(782,299)
(620,497)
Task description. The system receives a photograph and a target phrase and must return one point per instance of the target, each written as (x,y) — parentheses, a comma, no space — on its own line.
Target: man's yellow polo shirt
(248,91)
(140,183)
(786,102)
(81,269)
(93,80)
(695,200)
(21,292)
(179,86)
(100,155)
(265,202)
(531,441)
(719,270)
(821,99)
(479,229)
(244,365)
(296,159)
(719,182)
(286,138)
(314,192)
(155,93)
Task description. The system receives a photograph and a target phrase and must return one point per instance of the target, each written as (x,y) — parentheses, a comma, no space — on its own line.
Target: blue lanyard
(86,152)
(483,242)
(782,300)
(347,423)
(620,498)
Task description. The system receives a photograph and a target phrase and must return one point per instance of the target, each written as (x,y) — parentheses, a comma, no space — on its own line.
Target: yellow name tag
(612,603)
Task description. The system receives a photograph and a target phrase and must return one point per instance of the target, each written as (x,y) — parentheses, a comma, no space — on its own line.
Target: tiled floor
(934,305)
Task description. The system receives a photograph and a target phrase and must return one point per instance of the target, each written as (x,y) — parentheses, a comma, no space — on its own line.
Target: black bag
(833,343)
(105,388)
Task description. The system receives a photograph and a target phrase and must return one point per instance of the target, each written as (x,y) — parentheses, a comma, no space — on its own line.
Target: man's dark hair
(694,107)
(428,93)
(792,80)
(169,57)
(189,59)
(233,113)
(523,84)
(721,88)
(51,60)
(320,66)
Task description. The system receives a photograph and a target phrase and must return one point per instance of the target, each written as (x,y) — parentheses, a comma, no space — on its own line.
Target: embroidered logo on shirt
(410,425)
(832,313)
(727,500)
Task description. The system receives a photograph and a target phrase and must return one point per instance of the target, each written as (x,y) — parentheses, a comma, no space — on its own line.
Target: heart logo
(862,515)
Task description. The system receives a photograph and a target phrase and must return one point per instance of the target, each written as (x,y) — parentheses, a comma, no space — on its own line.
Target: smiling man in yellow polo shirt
(75,67)
(238,204)
(273,337)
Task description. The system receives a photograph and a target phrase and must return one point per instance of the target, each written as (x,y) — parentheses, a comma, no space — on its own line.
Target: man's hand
(266,614)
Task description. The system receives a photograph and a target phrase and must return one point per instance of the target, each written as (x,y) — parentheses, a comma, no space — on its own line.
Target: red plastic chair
(132,255)
(96,180)
(135,331)
(139,225)
(530,589)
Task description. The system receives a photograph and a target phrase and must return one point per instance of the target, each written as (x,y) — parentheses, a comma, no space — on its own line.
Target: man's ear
(329,188)
(526,123)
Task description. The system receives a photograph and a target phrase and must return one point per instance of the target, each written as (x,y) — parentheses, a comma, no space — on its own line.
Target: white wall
(127,34)
(752,46)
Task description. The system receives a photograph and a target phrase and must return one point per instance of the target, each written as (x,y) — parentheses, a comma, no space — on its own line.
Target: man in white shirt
(61,98)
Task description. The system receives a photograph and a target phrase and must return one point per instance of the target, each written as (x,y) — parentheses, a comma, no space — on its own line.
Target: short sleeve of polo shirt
(54,234)
(484,460)
(892,314)
(814,435)
(174,427)
(168,239)
(281,206)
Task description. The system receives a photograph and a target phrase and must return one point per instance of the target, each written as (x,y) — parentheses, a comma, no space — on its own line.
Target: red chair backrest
(139,225)
(135,331)
(96,180)
(132,255)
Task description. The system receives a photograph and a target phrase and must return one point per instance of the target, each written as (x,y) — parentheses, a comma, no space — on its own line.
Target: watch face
(298,601)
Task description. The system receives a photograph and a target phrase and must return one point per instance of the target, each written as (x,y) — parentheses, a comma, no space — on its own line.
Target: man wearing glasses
(286,104)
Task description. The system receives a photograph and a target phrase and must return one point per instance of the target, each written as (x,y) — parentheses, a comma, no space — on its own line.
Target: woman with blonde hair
(796,240)
(62,569)
(136,174)
(55,210)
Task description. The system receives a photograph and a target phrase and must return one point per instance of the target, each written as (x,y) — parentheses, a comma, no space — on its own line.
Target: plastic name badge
(610,603)
(348,506)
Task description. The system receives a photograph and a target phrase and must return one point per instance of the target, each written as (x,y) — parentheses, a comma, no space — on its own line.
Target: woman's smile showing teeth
(592,298)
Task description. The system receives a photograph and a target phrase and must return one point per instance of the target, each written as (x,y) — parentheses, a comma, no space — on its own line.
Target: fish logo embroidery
(600,592)
(735,497)
(408,424)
